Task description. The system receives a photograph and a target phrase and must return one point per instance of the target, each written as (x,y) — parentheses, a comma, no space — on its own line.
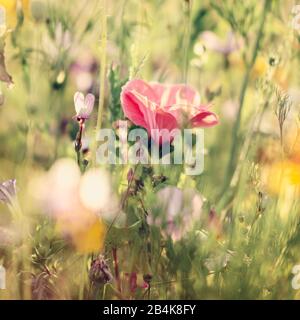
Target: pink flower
(83,105)
(157,106)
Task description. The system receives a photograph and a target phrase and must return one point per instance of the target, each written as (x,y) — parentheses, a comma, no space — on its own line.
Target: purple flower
(7,191)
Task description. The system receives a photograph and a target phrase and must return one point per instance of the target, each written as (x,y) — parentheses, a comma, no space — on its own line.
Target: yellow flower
(283,180)
(295,174)
(283,175)
(235,59)
(91,239)
(11,7)
(76,202)
(260,67)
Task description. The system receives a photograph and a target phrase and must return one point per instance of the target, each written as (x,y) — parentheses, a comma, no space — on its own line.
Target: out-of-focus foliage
(149,232)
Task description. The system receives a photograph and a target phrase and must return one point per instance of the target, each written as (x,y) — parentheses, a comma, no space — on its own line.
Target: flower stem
(116,266)
(102,77)
(83,277)
(78,141)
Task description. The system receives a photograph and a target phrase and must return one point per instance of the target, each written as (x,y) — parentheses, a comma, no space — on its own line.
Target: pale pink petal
(78,101)
(89,103)
(212,41)
(175,94)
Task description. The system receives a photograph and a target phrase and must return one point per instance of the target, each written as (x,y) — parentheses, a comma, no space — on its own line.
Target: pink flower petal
(175,94)
(78,101)
(132,109)
(141,88)
(204,119)
(165,121)
(89,103)
(157,106)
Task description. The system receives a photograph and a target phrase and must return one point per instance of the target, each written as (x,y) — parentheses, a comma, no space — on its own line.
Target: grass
(235,232)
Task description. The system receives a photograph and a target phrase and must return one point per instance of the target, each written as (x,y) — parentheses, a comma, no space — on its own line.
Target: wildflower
(157,106)
(213,42)
(2,21)
(57,44)
(83,105)
(260,67)
(91,238)
(10,9)
(100,272)
(8,191)
(4,75)
(230,109)
(78,204)
(181,208)
(83,71)
(282,175)
(95,179)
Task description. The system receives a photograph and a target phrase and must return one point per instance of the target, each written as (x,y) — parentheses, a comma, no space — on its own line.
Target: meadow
(73,226)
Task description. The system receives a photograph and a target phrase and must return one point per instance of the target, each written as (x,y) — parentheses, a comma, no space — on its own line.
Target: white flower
(83,105)
(59,44)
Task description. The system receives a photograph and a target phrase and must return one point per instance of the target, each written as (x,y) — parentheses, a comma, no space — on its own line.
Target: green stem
(83,277)
(236,128)
(187,36)
(102,78)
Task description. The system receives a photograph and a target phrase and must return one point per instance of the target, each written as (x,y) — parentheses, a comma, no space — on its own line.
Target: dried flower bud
(100,272)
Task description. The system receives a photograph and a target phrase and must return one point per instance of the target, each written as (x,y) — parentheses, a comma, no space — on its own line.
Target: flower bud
(100,272)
